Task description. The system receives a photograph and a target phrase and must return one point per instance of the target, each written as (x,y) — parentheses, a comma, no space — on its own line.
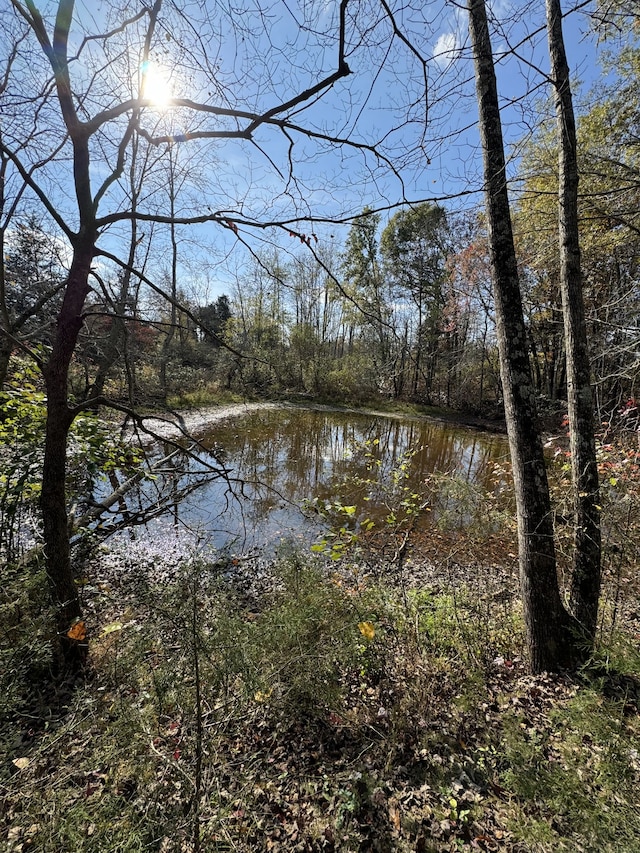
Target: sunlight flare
(155,84)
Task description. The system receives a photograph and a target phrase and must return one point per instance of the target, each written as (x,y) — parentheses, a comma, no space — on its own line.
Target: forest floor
(371,704)
(287,707)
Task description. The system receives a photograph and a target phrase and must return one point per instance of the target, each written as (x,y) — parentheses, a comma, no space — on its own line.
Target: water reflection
(277,459)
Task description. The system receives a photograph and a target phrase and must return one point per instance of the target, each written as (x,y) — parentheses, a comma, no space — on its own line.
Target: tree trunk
(6,348)
(585,580)
(53,499)
(117,337)
(165,356)
(114,346)
(547,622)
(6,345)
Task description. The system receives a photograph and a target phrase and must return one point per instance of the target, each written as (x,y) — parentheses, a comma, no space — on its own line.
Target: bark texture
(585,581)
(53,498)
(548,623)
(60,416)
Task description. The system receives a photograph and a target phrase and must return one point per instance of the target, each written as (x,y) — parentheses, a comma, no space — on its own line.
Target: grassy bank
(254,708)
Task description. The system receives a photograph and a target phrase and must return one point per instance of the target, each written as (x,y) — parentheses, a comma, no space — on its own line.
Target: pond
(278,460)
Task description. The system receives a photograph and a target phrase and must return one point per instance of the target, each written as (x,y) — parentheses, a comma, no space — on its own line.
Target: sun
(155,84)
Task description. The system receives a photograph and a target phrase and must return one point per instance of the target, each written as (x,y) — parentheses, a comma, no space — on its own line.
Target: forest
(375,209)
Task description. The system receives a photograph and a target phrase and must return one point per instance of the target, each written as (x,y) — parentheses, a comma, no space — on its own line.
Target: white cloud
(500,8)
(446,49)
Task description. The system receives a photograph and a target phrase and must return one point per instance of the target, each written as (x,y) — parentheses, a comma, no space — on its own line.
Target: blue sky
(252,61)
(454,173)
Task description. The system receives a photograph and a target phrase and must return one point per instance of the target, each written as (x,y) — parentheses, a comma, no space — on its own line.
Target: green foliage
(214,318)
(383,506)
(415,245)
(351,378)
(203,396)
(360,256)
(93,451)
(22,424)
(608,209)
(417,239)
(304,641)
(322,709)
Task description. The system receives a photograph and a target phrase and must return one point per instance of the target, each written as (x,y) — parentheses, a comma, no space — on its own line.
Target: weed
(323,714)
(573,775)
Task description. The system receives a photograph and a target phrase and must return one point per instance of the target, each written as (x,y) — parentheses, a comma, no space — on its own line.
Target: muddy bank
(195,423)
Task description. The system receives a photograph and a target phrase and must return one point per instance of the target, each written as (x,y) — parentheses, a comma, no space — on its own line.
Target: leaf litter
(436,739)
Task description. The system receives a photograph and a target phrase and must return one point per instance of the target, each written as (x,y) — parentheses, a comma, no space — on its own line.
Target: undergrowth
(330,712)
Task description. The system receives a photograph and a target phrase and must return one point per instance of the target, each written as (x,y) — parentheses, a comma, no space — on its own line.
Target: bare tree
(585,579)
(550,640)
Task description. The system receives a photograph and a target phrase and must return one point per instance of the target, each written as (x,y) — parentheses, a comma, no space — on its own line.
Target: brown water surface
(278,459)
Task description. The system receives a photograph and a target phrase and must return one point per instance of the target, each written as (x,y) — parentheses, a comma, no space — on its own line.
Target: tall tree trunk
(6,348)
(116,342)
(6,345)
(165,354)
(116,338)
(585,580)
(482,359)
(53,498)
(547,622)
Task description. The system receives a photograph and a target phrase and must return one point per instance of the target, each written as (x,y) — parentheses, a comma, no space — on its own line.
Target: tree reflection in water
(277,459)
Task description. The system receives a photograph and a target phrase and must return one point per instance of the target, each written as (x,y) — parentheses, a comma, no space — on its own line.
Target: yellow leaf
(111,627)
(261,696)
(77,631)
(367,630)
(20,763)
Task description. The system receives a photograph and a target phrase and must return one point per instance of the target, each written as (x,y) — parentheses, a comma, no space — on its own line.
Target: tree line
(403,309)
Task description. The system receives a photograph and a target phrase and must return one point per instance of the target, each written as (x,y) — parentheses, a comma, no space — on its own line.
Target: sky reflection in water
(285,457)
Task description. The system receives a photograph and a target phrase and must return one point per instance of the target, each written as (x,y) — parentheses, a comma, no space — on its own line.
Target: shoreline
(192,422)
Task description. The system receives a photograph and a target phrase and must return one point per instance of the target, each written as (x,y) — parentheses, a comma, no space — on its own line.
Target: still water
(278,459)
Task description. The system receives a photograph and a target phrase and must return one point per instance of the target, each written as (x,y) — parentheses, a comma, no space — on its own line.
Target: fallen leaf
(262,696)
(367,630)
(21,763)
(77,631)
